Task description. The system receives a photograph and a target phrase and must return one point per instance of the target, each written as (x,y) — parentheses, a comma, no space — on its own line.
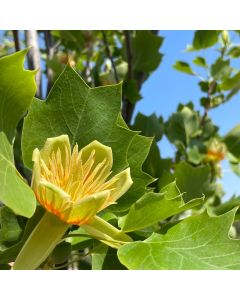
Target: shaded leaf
(232,141)
(227,206)
(137,153)
(84,113)
(154,164)
(5,267)
(111,261)
(61,253)
(145,51)
(98,256)
(9,227)
(150,126)
(234,52)
(130,90)
(205,38)
(10,254)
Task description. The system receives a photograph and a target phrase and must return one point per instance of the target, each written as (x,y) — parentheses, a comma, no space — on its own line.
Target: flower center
(76,177)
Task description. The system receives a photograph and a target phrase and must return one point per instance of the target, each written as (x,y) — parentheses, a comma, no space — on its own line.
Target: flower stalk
(41,242)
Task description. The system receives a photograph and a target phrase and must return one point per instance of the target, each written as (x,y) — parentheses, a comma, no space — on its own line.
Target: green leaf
(137,153)
(98,256)
(73,39)
(234,52)
(104,258)
(183,67)
(149,125)
(200,61)
(231,83)
(205,38)
(5,267)
(61,253)
(210,129)
(193,181)
(84,113)
(145,51)
(152,208)
(182,125)
(194,156)
(227,206)
(204,85)
(79,240)
(232,141)
(11,253)
(14,191)
(221,69)
(130,91)
(234,163)
(154,164)
(196,243)
(17,89)
(9,227)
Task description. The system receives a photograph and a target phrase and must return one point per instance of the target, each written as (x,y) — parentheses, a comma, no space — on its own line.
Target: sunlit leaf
(183,67)
(155,207)
(196,243)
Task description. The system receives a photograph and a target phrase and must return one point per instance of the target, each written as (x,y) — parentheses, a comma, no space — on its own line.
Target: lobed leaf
(196,243)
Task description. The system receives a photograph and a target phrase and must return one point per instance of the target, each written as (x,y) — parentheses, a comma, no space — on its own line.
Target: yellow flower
(216,151)
(76,186)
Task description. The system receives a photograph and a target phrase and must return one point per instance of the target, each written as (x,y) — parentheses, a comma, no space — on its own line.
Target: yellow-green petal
(101,153)
(118,185)
(86,208)
(53,198)
(36,169)
(53,144)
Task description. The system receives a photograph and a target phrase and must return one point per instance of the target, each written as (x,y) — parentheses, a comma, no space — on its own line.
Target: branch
(140,77)
(16,40)
(34,56)
(50,49)
(108,52)
(207,107)
(127,108)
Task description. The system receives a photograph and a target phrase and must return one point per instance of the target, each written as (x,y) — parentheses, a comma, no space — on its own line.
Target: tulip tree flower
(73,188)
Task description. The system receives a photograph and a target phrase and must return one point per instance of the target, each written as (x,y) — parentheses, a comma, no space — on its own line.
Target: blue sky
(166,87)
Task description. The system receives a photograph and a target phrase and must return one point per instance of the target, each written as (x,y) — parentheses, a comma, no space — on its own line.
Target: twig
(50,53)
(140,77)
(16,40)
(34,56)
(207,107)
(127,108)
(108,52)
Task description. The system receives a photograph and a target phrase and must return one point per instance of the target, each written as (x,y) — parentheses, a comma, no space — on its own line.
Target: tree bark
(34,61)
(50,53)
